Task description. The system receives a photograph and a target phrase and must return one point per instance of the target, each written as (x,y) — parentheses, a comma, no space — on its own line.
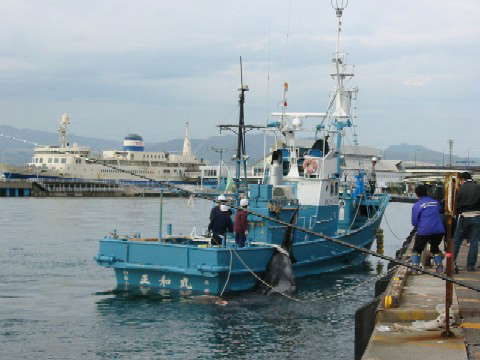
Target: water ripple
(56,303)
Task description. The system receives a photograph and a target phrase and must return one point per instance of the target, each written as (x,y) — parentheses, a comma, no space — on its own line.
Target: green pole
(160,226)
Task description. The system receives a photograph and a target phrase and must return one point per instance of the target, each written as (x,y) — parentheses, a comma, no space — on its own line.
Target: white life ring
(310,166)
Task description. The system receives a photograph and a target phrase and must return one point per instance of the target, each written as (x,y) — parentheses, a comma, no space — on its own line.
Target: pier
(15,188)
(404,317)
(76,188)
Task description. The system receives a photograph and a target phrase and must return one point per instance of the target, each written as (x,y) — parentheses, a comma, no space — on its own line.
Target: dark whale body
(279,275)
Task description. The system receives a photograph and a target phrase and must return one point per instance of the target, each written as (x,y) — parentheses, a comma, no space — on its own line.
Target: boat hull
(157,267)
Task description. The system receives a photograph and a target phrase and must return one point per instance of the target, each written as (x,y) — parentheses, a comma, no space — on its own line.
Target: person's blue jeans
(468,228)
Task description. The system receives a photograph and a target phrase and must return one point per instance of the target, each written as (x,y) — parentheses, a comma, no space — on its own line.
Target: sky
(148,66)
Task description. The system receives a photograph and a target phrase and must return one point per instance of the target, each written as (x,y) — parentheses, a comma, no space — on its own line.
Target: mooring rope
(347,290)
(390,228)
(229,272)
(418,269)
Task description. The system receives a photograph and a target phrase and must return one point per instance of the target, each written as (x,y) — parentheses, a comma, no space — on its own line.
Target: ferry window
(166,171)
(64,161)
(49,160)
(336,188)
(55,160)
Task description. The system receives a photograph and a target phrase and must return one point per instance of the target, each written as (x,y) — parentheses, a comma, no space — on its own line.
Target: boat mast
(240,129)
(240,157)
(342,96)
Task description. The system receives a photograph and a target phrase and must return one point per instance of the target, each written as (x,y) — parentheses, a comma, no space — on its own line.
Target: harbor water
(56,303)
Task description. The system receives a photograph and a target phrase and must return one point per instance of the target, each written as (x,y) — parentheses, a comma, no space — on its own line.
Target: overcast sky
(147,66)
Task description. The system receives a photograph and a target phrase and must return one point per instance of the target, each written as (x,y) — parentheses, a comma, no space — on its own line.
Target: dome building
(133,142)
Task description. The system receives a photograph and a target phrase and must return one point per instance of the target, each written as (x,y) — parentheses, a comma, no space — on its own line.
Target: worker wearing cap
(221,200)
(428,222)
(240,224)
(220,221)
(468,225)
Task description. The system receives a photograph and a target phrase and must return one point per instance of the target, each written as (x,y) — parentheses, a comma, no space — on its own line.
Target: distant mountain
(420,153)
(16,145)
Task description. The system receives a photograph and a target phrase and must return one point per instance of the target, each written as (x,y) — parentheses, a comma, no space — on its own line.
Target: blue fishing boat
(304,187)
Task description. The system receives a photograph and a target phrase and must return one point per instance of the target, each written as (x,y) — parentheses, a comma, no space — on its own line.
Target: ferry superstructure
(72,161)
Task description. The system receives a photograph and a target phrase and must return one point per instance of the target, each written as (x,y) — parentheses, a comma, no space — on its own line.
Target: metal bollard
(379,236)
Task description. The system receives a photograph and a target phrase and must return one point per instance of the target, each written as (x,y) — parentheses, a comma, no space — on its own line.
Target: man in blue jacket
(428,222)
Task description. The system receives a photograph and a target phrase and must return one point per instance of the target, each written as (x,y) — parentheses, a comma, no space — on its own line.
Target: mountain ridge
(16,146)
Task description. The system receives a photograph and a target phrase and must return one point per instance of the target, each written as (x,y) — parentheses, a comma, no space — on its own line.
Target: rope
(355,217)
(390,228)
(229,272)
(344,292)
(18,139)
(314,233)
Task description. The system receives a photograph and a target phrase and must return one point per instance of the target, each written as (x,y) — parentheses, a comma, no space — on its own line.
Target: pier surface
(397,335)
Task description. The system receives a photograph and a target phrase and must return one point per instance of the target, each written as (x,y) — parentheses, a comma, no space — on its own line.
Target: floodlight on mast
(339,6)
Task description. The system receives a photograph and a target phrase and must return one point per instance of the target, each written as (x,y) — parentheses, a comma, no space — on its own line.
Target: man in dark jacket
(221,200)
(429,227)
(240,225)
(220,224)
(468,224)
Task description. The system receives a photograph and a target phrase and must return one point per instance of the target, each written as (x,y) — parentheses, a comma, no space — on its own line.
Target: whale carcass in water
(279,274)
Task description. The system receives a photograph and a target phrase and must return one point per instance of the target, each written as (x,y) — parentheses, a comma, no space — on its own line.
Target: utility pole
(450,149)
(219,151)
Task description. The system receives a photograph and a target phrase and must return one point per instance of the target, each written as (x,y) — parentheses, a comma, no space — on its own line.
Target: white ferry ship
(71,161)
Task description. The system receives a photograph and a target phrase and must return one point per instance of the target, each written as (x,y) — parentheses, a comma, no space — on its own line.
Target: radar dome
(297,123)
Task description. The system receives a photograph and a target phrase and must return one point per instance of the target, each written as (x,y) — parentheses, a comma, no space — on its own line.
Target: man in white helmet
(221,200)
(240,225)
(220,221)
